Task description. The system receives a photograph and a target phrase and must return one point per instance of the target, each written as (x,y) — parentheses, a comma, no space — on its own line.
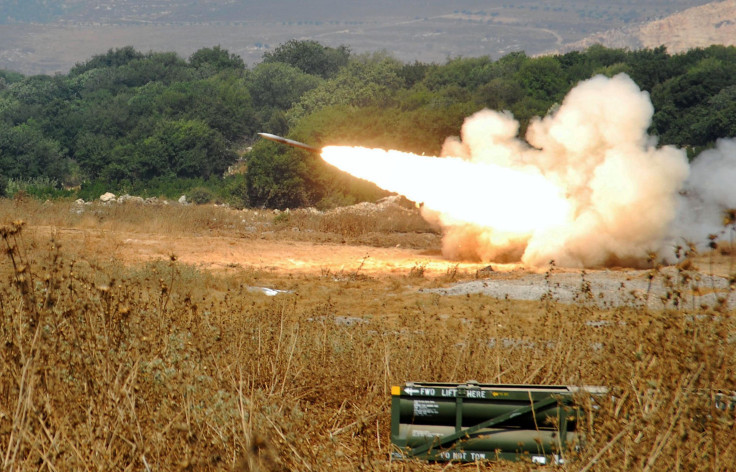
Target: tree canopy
(145,121)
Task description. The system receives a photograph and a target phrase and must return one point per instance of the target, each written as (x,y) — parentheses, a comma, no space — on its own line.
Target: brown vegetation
(161,366)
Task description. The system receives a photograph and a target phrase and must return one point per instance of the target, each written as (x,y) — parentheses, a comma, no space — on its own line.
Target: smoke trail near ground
(588,188)
(708,194)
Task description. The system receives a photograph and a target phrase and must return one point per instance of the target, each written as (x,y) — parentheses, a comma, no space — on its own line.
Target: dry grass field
(139,338)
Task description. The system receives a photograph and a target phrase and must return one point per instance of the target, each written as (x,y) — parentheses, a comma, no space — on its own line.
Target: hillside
(714,23)
(701,26)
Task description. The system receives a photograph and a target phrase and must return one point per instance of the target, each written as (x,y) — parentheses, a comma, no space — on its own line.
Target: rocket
(289,142)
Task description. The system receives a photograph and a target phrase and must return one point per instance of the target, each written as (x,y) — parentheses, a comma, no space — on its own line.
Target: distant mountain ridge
(697,27)
(43,37)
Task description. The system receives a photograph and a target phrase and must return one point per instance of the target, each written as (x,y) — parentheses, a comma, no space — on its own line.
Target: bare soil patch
(218,252)
(383,239)
(290,252)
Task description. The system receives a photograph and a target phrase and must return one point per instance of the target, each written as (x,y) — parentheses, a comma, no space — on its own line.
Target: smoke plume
(589,187)
(707,195)
(622,188)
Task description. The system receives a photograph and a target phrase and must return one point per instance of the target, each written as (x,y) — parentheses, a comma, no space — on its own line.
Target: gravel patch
(603,288)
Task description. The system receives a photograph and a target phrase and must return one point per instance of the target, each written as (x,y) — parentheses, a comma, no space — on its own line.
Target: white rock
(130,199)
(107,197)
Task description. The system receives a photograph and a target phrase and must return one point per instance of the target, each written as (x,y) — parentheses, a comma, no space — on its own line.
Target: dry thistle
(729,217)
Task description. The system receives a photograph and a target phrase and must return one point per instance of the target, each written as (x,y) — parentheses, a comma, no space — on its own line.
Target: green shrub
(282,218)
(41,188)
(235,191)
(89,191)
(201,195)
(3,186)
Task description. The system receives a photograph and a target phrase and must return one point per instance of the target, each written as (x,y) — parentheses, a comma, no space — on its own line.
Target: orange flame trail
(511,201)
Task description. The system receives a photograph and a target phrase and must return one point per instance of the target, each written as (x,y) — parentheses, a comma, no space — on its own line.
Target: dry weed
(382,226)
(163,367)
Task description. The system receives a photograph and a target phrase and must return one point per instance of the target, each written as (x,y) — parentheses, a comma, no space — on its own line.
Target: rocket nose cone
(273,137)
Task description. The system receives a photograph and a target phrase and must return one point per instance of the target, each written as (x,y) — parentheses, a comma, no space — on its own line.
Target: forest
(157,124)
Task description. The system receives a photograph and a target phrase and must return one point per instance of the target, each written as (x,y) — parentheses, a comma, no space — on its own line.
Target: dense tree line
(157,123)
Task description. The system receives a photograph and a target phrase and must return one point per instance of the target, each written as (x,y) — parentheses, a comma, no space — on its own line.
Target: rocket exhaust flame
(451,186)
(587,188)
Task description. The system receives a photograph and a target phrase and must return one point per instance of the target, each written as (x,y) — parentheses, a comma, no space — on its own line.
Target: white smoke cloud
(622,188)
(589,187)
(707,195)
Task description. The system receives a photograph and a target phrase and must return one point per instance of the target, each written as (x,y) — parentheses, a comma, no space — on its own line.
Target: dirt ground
(219,253)
(607,287)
